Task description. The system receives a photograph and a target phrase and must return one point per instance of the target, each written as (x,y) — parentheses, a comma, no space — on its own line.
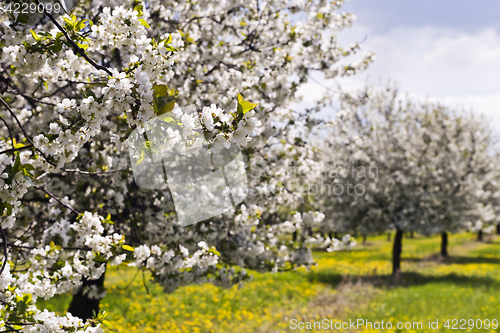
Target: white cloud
(458,68)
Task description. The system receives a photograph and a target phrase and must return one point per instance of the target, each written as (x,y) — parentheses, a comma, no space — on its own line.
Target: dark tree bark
(480,236)
(498,229)
(364,239)
(294,236)
(444,244)
(81,305)
(330,234)
(396,252)
(388,236)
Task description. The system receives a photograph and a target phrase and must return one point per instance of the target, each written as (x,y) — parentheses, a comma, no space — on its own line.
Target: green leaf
(83,46)
(138,9)
(144,23)
(57,46)
(160,90)
(28,174)
(17,164)
(166,108)
(128,248)
(80,25)
(27,167)
(245,106)
(171,49)
(68,22)
(35,36)
(21,307)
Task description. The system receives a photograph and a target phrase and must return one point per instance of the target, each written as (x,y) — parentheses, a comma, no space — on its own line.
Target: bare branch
(77,49)
(56,199)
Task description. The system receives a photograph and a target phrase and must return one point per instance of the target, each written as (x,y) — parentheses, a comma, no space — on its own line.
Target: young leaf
(128,248)
(35,36)
(160,90)
(245,106)
(166,108)
(17,164)
(57,46)
(144,23)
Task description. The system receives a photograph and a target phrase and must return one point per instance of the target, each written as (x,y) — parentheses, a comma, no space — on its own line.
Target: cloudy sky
(438,49)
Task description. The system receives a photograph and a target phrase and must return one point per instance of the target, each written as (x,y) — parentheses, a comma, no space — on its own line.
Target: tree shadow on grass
(462,260)
(471,260)
(403,280)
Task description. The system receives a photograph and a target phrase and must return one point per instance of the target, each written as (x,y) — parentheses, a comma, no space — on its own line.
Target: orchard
(81,83)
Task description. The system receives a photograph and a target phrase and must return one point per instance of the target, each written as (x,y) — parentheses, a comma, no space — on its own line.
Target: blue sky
(468,16)
(446,50)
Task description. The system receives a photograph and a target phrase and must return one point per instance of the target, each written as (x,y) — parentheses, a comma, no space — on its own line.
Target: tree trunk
(330,234)
(480,236)
(444,244)
(81,305)
(498,229)
(396,252)
(336,235)
(412,234)
(364,239)
(294,236)
(388,236)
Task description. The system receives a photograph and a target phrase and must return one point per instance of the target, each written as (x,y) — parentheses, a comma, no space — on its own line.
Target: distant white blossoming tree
(410,166)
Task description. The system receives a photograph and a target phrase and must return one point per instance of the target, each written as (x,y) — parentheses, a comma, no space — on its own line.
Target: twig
(77,49)
(15,149)
(10,134)
(4,238)
(24,132)
(56,199)
(17,120)
(64,248)
(144,282)
(93,173)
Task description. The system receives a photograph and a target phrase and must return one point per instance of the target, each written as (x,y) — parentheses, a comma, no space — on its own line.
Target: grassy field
(343,286)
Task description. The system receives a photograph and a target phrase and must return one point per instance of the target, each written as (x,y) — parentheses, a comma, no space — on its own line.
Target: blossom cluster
(78,89)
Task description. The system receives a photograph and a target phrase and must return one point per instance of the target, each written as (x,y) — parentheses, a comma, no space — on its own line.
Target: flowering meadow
(354,284)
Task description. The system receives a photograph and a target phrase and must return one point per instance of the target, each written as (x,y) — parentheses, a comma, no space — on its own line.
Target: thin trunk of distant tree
(397,249)
(294,236)
(498,229)
(364,239)
(388,236)
(336,235)
(81,305)
(412,234)
(444,244)
(480,236)
(330,234)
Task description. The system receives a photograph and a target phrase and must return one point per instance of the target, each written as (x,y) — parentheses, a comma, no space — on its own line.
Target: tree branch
(77,49)
(56,199)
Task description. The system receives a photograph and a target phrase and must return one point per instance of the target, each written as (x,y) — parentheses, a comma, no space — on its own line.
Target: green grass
(344,285)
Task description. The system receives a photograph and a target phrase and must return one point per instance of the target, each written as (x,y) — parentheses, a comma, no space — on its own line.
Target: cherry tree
(432,169)
(75,87)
